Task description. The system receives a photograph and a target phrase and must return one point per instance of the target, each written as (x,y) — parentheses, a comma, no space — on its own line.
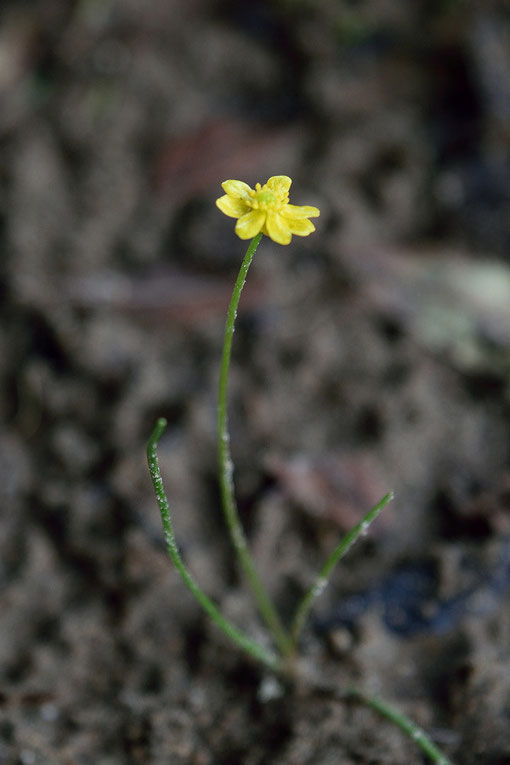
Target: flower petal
(297,212)
(236,189)
(250,224)
(277,228)
(234,208)
(301,227)
(279,183)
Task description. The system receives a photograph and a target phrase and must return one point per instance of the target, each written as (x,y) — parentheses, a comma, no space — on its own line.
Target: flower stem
(251,647)
(321,582)
(413,731)
(265,606)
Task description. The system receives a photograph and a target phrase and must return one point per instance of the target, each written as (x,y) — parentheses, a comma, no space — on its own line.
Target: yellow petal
(250,224)
(236,189)
(279,183)
(296,212)
(234,208)
(300,227)
(277,228)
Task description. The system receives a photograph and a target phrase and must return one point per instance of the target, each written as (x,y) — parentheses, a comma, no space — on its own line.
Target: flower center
(265,199)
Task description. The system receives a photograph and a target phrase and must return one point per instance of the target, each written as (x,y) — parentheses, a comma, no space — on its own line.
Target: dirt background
(370,356)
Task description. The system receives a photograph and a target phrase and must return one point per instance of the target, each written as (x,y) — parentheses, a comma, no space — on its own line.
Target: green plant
(266,210)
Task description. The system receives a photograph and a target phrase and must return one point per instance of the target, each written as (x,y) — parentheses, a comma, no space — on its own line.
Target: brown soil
(371,355)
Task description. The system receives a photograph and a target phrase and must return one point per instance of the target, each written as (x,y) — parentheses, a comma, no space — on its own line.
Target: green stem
(265,606)
(246,643)
(321,582)
(413,731)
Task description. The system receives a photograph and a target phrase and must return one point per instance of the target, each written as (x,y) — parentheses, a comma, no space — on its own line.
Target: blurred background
(372,355)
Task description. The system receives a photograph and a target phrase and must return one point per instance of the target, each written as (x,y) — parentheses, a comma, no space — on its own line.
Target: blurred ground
(371,355)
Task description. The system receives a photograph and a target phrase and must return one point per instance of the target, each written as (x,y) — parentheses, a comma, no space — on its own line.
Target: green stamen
(265,198)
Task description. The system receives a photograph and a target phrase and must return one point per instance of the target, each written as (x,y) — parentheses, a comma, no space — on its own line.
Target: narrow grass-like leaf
(254,649)
(412,731)
(322,580)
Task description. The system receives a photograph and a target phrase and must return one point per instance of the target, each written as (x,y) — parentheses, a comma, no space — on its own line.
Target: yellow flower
(266,209)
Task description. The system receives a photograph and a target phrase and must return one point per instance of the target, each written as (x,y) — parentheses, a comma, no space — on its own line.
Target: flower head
(266,209)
